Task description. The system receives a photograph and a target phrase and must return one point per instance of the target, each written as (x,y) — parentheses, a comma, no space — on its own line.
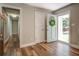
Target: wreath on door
(52,21)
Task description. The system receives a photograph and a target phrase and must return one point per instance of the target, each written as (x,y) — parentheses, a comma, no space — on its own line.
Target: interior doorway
(63,27)
(11,30)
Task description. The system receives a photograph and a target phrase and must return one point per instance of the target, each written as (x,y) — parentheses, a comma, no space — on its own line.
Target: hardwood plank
(41,49)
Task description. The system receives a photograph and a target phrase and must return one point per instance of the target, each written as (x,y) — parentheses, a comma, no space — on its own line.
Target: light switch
(72,24)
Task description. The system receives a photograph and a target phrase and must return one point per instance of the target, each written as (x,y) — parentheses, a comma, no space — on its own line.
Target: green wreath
(52,21)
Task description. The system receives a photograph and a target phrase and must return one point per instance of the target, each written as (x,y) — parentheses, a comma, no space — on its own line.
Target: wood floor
(12,47)
(42,49)
(50,49)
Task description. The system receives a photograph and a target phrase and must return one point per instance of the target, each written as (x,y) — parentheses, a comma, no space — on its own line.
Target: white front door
(39,26)
(51,30)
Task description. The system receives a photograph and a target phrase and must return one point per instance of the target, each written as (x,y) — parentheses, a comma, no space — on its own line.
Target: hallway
(12,47)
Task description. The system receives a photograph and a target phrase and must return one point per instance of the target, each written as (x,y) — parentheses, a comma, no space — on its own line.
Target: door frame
(60,14)
(20,17)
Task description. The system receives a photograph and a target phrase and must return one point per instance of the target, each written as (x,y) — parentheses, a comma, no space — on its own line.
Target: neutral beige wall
(74,22)
(27,25)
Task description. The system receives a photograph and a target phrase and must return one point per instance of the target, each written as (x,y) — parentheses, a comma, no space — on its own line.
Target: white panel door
(51,31)
(39,26)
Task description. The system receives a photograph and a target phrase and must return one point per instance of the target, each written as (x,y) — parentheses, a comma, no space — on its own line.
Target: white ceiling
(49,6)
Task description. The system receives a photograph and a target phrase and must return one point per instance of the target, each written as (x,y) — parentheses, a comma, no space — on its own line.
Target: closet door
(39,26)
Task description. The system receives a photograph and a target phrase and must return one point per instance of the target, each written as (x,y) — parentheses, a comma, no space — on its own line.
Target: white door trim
(20,16)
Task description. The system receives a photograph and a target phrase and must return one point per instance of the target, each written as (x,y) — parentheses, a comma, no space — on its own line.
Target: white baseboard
(26,45)
(74,45)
